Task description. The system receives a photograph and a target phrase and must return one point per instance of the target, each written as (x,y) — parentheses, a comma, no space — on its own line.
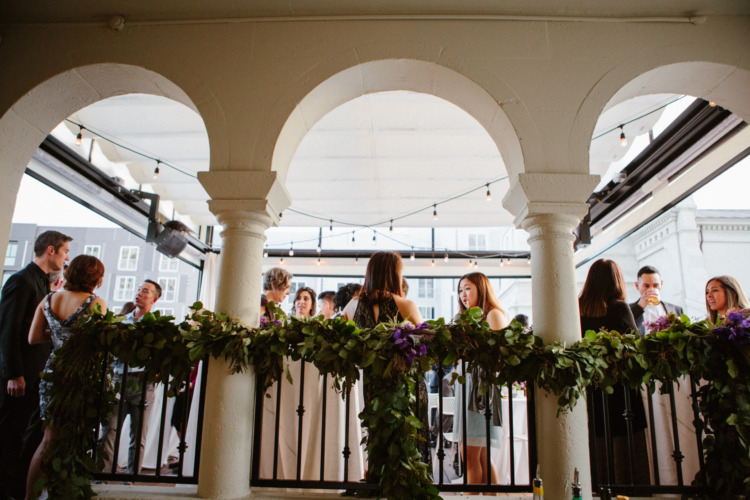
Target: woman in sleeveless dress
(475,290)
(379,301)
(52,321)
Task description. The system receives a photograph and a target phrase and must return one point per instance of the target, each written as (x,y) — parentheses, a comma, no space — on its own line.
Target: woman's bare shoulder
(497,319)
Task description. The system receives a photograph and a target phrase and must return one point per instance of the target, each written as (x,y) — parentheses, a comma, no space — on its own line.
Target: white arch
(398,74)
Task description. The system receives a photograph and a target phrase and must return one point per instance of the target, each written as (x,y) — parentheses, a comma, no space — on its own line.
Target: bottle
(576,486)
(538,487)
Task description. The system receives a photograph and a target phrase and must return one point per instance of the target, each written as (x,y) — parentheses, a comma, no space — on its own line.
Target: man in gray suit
(650,307)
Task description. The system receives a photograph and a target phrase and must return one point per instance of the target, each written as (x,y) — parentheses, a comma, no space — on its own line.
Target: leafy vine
(390,357)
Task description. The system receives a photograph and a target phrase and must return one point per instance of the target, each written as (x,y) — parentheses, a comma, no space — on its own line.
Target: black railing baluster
(654,447)
(276,431)
(323,429)
(300,418)
(629,415)
(139,432)
(441,444)
(696,419)
(120,416)
(346,452)
(677,455)
(160,444)
(512,435)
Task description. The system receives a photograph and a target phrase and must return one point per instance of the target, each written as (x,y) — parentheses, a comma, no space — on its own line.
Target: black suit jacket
(21,294)
(638,313)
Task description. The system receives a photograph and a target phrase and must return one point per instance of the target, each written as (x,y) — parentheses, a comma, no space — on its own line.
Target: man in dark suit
(20,363)
(650,307)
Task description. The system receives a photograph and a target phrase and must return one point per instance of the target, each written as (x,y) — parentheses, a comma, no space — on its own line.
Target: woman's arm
(101,303)
(38,332)
(497,319)
(408,310)
(350,309)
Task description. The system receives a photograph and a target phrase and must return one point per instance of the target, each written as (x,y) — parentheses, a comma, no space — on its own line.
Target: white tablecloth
(520,443)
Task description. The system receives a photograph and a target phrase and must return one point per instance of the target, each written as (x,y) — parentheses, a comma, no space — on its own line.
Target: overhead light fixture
(281,261)
(502,263)
(318,262)
(374,238)
(291,250)
(391,227)
(352,236)
(412,257)
(433,263)
(476,263)
(280,216)
(434,212)
(489,195)
(356,259)
(446,257)
(265,254)
(79,137)
(156,170)
(330,227)
(623,139)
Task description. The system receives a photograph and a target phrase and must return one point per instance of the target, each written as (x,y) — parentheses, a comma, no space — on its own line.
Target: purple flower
(736,328)
(408,339)
(661,323)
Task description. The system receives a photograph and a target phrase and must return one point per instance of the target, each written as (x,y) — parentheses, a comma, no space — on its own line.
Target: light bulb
(502,263)
(281,261)
(280,216)
(291,251)
(446,257)
(434,212)
(79,137)
(433,263)
(470,262)
(623,139)
(391,227)
(331,225)
(712,103)
(156,170)
(374,239)
(318,262)
(318,249)
(356,259)
(476,263)
(507,261)
(412,257)
(265,254)
(352,236)
(489,195)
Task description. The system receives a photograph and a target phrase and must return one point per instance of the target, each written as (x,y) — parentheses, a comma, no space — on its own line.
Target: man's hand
(16,387)
(650,294)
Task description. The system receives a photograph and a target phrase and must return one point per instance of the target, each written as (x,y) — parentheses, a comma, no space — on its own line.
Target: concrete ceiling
(378,157)
(40,11)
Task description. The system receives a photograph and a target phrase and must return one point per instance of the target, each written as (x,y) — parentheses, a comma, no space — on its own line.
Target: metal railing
(178,469)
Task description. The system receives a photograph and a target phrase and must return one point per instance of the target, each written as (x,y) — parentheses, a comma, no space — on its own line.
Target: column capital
(245,191)
(540,193)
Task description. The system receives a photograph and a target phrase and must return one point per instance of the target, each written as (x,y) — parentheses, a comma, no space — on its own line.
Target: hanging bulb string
(139,153)
(644,115)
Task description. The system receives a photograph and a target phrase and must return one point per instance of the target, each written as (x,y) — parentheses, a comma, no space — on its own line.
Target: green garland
(390,357)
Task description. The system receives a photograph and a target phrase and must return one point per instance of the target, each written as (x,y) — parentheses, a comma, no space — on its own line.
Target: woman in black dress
(602,306)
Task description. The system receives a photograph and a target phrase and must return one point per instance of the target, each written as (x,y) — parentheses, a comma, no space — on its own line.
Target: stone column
(549,207)
(562,442)
(230,398)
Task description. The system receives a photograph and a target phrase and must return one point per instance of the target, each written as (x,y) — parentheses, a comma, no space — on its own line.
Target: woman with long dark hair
(379,300)
(52,321)
(602,306)
(304,303)
(475,290)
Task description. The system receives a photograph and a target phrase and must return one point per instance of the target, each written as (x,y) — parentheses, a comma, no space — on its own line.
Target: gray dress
(59,333)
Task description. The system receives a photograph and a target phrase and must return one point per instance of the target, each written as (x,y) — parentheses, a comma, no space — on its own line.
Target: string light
(434,212)
(471,263)
(502,263)
(79,137)
(446,257)
(374,238)
(528,261)
(156,170)
(433,263)
(281,261)
(281,216)
(330,228)
(476,263)
(318,262)
(507,261)
(352,236)
(489,195)
(265,254)
(623,139)
(412,257)
(391,226)
(319,249)
(291,250)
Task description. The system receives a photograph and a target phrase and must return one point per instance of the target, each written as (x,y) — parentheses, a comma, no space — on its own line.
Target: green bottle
(576,486)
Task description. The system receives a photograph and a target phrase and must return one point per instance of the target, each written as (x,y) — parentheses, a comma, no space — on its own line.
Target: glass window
(125,288)
(427,312)
(477,242)
(128,259)
(168,289)
(10,254)
(167,264)
(164,311)
(93,250)
(426,288)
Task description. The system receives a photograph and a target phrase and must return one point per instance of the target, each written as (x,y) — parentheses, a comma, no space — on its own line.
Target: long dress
(618,318)
(59,333)
(313,435)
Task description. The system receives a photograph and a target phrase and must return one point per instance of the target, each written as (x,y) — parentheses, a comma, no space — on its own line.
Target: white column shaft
(230,404)
(562,442)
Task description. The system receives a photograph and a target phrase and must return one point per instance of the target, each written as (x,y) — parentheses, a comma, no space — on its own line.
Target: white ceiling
(376,158)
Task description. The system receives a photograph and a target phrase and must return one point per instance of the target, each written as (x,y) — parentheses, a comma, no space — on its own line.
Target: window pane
(426,288)
(10,254)
(128,259)
(125,288)
(93,250)
(168,289)
(167,264)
